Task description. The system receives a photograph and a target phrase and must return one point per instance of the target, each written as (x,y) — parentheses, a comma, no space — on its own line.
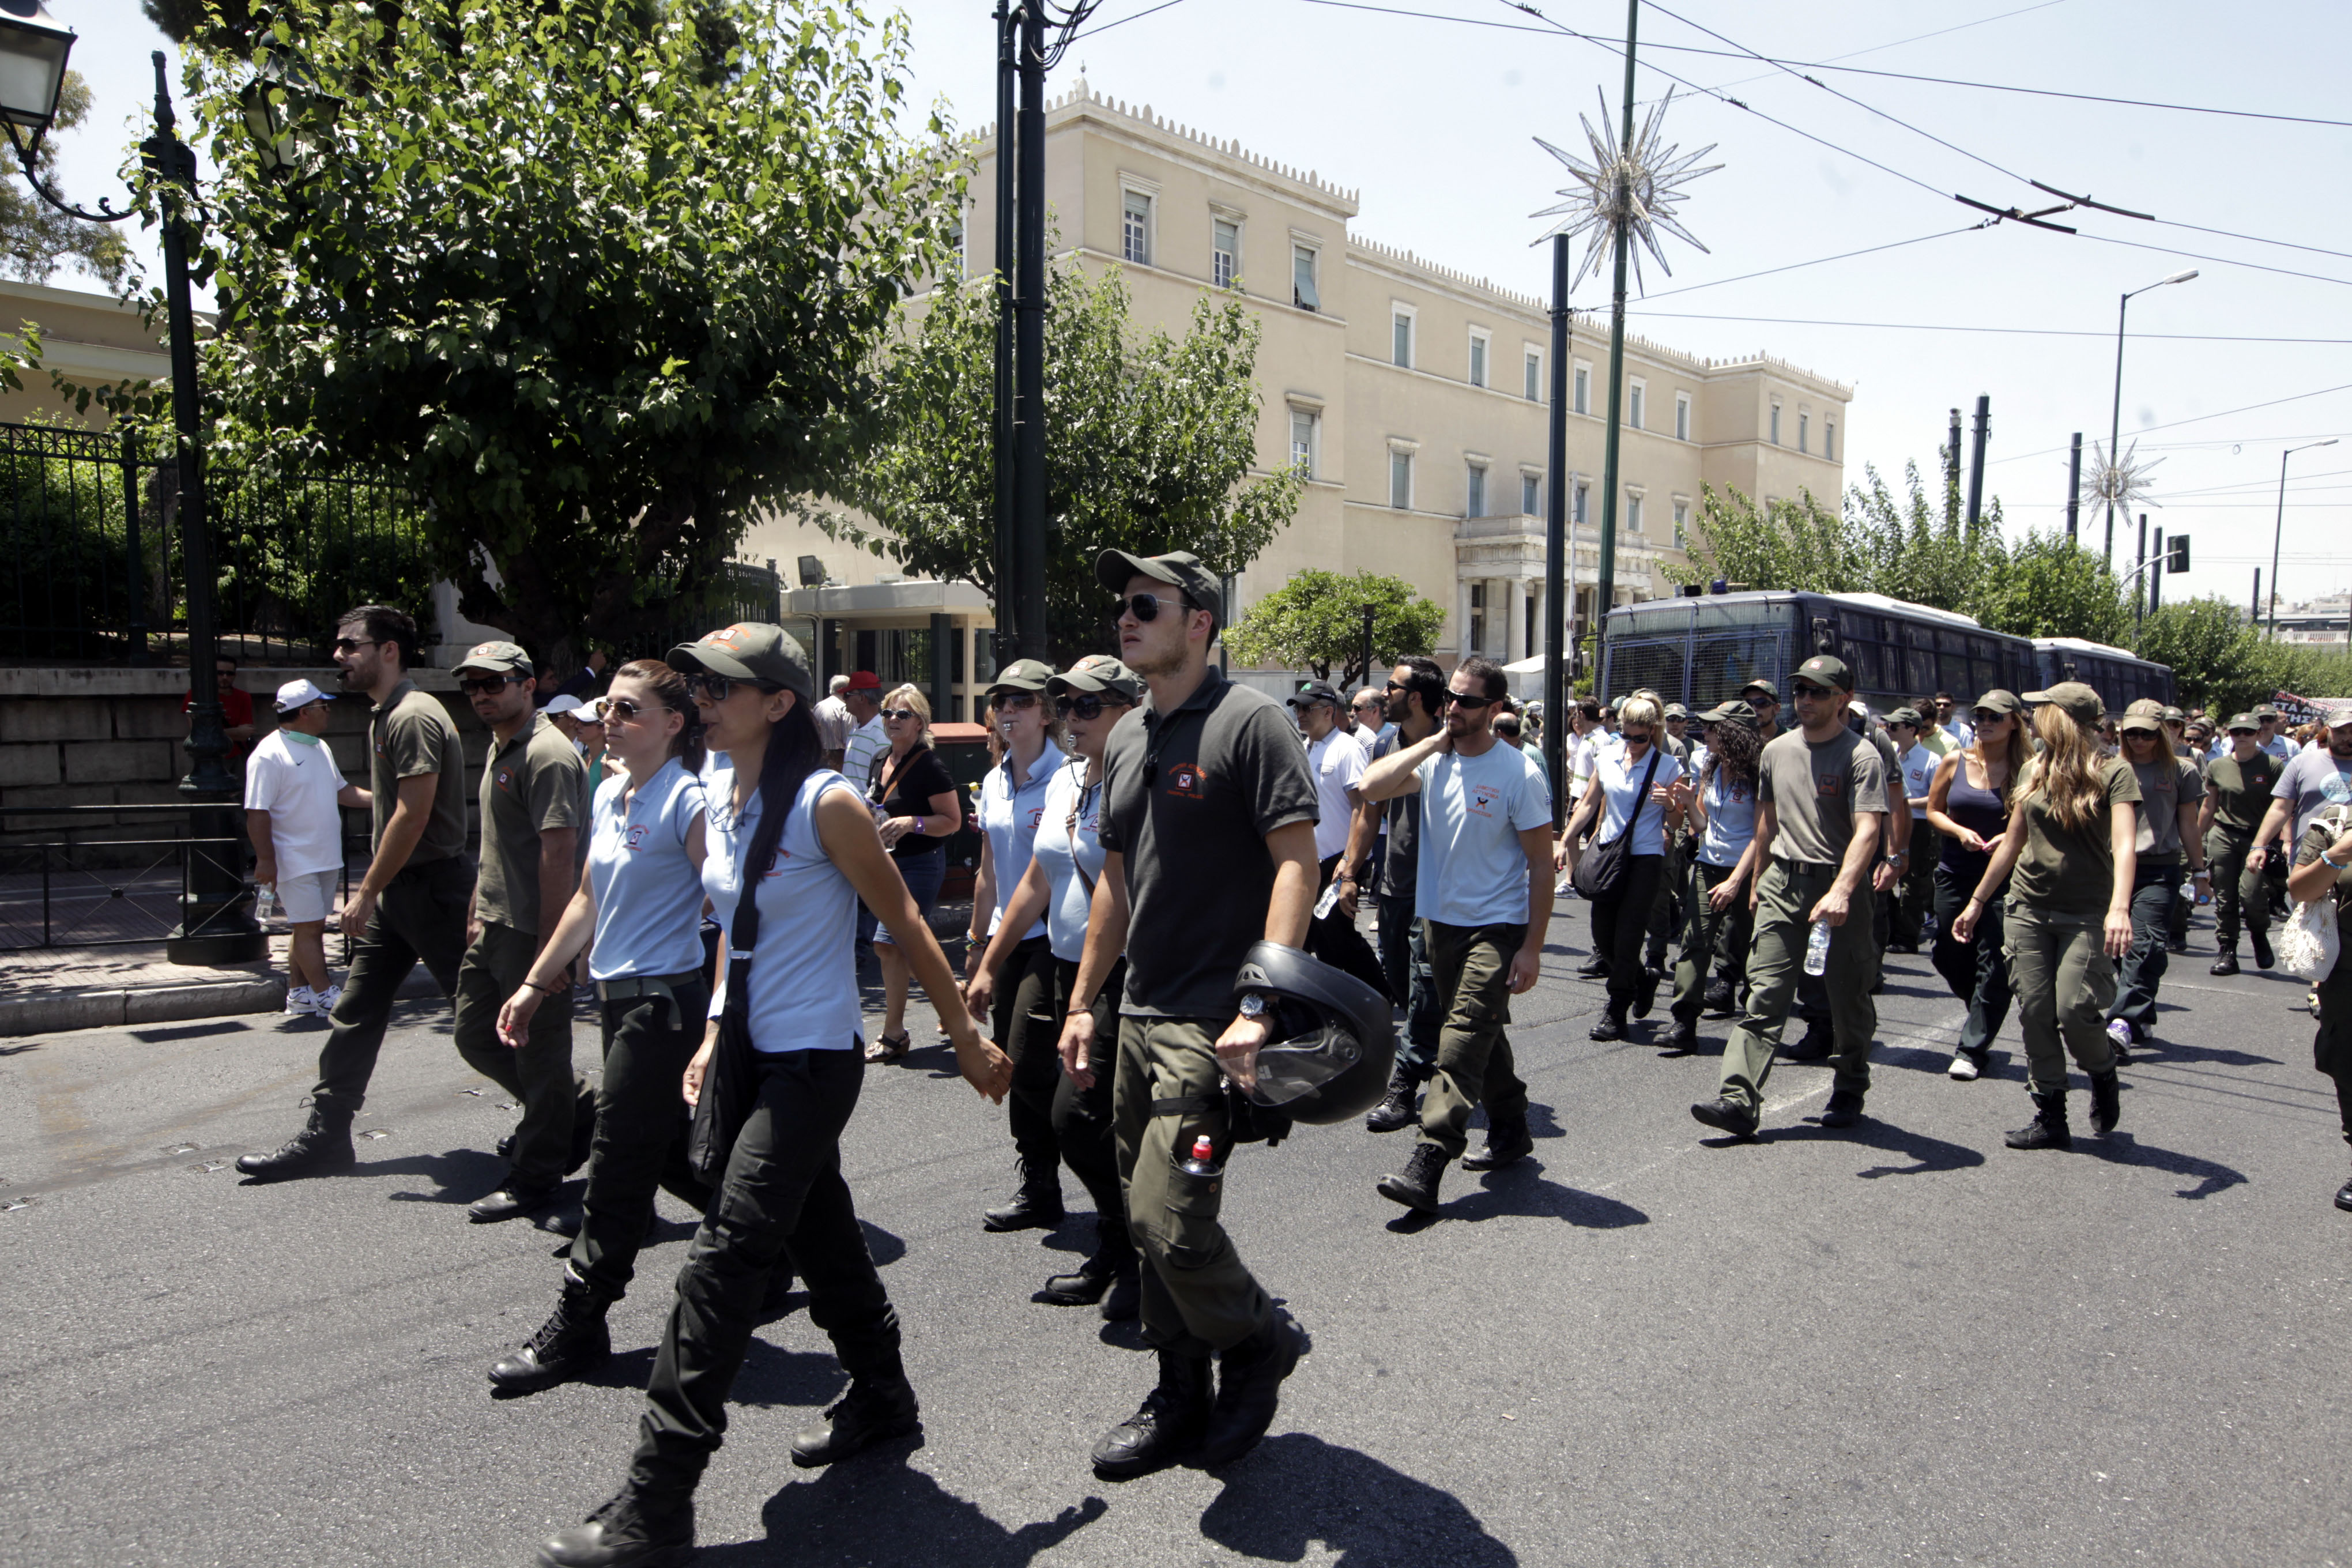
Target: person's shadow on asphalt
(1519,1189)
(879,1510)
(1926,1154)
(1296,1490)
(2120,1148)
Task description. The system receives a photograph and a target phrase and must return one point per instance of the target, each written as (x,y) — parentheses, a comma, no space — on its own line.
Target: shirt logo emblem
(502,777)
(1482,796)
(635,837)
(1831,786)
(1036,816)
(1186,779)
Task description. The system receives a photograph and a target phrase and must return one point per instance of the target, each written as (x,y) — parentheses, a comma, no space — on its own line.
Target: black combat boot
(1718,1000)
(2344,1197)
(1416,1188)
(879,1405)
(571,1344)
(1843,1109)
(1036,1207)
(1507,1141)
(1249,1387)
(2048,1129)
(2228,962)
(1592,968)
(1399,1108)
(2261,941)
(1815,1045)
(1645,992)
(1683,1039)
(2106,1101)
(1169,1425)
(632,1530)
(1612,1022)
(1725,1114)
(1114,1256)
(323,1148)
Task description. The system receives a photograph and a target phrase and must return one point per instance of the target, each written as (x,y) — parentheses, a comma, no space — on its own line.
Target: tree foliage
(1316,621)
(36,239)
(2223,665)
(1909,548)
(1148,446)
(590,284)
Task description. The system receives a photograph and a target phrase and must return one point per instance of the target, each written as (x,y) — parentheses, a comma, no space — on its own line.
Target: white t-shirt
(295,780)
(1471,870)
(1918,765)
(1730,819)
(1620,779)
(1338,763)
(866,742)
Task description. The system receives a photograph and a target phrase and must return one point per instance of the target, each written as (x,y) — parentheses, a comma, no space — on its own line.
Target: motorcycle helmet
(1333,1046)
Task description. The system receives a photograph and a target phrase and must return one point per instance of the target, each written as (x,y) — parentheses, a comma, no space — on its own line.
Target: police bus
(1699,649)
(2120,678)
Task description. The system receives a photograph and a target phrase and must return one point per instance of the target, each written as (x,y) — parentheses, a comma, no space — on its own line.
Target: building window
(1632,513)
(1582,402)
(1476,504)
(1477,359)
(1829,439)
(1302,279)
(1225,261)
(1682,524)
(1776,425)
(1401,347)
(1583,494)
(1641,397)
(1534,376)
(1530,495)
(1400,480)
(1681,415)
(1137,228)
(1804,431)
(1302,442)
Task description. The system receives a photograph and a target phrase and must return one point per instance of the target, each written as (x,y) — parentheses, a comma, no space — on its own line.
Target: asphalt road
(1899,1344)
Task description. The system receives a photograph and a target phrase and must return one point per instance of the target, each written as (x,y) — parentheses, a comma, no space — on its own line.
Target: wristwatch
(1253,1006)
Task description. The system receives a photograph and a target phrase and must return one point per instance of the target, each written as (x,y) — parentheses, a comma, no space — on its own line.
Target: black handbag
(1602,872)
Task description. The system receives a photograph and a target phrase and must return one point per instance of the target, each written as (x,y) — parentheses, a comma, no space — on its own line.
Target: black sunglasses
(488,685)
(353,645)
(1987,716)
(1804,690)
(1464,700)
(621,708)
(1084,705)
(1013,701)
(707,687)
(1147,606)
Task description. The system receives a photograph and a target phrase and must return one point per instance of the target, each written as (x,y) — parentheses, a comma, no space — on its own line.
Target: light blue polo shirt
(804,971)
(1010,817)
(1065,848)
(648,895)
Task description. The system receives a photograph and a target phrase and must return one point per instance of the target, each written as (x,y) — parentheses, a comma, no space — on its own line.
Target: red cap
(864,680)
(1203,1149)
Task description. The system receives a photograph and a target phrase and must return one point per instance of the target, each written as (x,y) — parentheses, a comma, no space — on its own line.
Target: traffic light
(2179,560)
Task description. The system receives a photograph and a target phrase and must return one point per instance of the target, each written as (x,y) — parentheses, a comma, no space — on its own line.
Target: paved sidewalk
(44,990)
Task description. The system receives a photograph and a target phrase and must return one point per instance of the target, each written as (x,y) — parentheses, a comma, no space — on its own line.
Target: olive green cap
(1114,569)
(1100,673)
(1824,669)
(1022,674)
(2001,701)
(747,650)
(497,658)
(2080,703)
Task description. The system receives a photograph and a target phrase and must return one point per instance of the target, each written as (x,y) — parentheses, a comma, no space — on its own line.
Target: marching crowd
(1164,958)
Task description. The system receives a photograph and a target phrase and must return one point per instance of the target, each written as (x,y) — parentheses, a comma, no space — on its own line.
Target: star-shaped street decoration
(2125,482)
(1633,188)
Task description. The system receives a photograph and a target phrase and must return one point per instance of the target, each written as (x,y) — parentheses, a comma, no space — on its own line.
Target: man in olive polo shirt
(1821,799)
(410,904)
(1208,832)
(534,800)
(2237,794)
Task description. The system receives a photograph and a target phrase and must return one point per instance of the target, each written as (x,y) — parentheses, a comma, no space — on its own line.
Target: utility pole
(1606,595)
(1975,457)
(2255,618)
(2139,576)
(1560,578)
(1367,612)
(1007,570)
(2074,485)
(2156,576)
(1029,349)
(1952,472)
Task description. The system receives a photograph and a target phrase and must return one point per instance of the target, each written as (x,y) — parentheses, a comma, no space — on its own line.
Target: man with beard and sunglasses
(1208,834)
(411,902)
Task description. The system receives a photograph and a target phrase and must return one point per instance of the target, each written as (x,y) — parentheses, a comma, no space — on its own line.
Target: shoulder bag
(730,1080)
(1602,871)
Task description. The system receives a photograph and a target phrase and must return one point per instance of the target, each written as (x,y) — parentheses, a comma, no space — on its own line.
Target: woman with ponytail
(789,1022)
(638,912)
(2072,822)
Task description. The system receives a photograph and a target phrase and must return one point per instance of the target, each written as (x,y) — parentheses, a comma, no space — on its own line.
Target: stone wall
(117,737)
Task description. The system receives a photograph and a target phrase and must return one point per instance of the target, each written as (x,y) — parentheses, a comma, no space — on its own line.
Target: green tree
(1148,446)
(1792,545)
(590,290)
(1316,621)
(36,239)
(2049,586)
(2218,662)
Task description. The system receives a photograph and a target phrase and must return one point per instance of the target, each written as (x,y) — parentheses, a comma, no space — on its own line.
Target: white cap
(297,694)
(591,711)
(563,702)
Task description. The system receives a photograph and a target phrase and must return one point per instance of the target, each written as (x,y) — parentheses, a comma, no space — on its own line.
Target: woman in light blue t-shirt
(800,837)
(1618,798)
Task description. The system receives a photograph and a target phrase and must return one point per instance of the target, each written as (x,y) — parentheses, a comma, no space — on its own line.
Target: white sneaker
(328,997)
(1964,1066)
(301,1002)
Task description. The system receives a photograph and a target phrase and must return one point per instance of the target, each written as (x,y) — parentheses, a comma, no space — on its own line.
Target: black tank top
(1977,810)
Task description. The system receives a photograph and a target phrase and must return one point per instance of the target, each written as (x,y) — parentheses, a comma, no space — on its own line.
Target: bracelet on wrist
(535,985)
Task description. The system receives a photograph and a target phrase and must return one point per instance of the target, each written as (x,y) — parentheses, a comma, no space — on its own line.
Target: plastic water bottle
(265,903)
(1817,951)
(1202,1161)
(1328,902)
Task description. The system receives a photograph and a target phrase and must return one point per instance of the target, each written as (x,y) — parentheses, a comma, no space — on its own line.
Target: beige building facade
(94,340)
(1414,395)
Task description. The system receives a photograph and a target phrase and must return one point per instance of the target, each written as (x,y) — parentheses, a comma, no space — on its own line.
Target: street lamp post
(2279,526)
(216,907)
(2116,412)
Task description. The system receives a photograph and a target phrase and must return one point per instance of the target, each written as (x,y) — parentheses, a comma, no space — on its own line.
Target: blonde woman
(2072,825)
(915,808)
(1969,805)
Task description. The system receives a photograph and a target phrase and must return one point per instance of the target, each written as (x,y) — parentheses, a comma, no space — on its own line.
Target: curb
(116,1008)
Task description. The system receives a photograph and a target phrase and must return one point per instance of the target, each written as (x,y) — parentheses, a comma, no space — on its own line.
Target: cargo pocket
(1193,1203)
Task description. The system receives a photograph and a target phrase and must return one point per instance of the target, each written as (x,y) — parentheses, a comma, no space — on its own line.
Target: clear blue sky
(1433,119)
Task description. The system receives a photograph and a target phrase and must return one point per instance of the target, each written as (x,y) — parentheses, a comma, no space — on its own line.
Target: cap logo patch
(727,635)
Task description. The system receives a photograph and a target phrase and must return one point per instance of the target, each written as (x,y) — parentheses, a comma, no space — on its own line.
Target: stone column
(1515,630)
(1461,648)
